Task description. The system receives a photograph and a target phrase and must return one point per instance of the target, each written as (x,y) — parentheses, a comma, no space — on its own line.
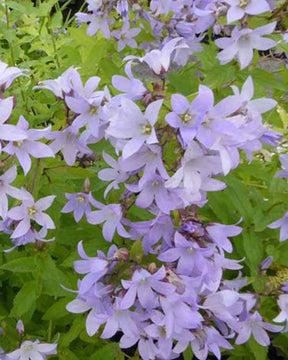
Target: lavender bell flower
(62,85)
(94,5)
(160,7)
(22,149)
(87,103)
(122,320)
(283,224)
(209,339)
(116,174)
(33,350)
(79,204)
(31,210)
(187,117)
(9,132)
(195,173)
(122,7)
(284,162)
(146,346)
(283,305)
(125,36)
(68,142)
(159,60)
(189,254)
(97,21)
(94,303)
(238,8)
(182,55)
(133,88)
(30,238)
(180,313)
(8,75)
(255,326)
(94,267)
(6,189)
(149,159)
(242,43)
(154,189)
(249,106)
(145,286)
(111,215)
(133,125)
(152,231)
(219,233)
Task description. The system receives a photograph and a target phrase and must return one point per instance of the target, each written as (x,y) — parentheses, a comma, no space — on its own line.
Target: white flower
(32,350)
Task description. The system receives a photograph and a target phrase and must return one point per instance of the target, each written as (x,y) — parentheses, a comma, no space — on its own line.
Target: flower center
(93,110)
(243,3)
(245,37)
(81,198)
(18,143)
(190,250)
(162,331)
(27,349)
(32,211)
(186,118)
(146,129)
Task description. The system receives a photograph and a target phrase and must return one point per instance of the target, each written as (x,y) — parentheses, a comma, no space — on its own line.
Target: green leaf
(57,310)
(239,197)
(21,265)
(67,355)
(253,247)
(259,352)
(188,353)
(77,326)
(25,300)
(137,251)
(107,352)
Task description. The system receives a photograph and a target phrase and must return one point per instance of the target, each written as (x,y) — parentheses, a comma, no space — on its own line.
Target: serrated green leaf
(21,265)
(25,300)
(57,310)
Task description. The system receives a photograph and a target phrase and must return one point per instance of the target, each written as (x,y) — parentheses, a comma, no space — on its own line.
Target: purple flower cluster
(22,142)
(168,292)
(190,20)
(178,297)
(165,309)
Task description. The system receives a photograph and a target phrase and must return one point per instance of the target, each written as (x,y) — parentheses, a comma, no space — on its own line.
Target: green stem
(7,27)
(35,175)
(54,48)
(49,335)
(50,30)
(277,12)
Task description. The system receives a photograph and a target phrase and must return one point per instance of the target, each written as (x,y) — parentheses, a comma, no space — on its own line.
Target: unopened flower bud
(20,327)
(266,263)
(122,254)
(176,281)
(152,268)
(86,187)
(147,99)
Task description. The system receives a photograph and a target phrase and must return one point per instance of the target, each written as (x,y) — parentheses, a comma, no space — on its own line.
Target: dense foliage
(143,166)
